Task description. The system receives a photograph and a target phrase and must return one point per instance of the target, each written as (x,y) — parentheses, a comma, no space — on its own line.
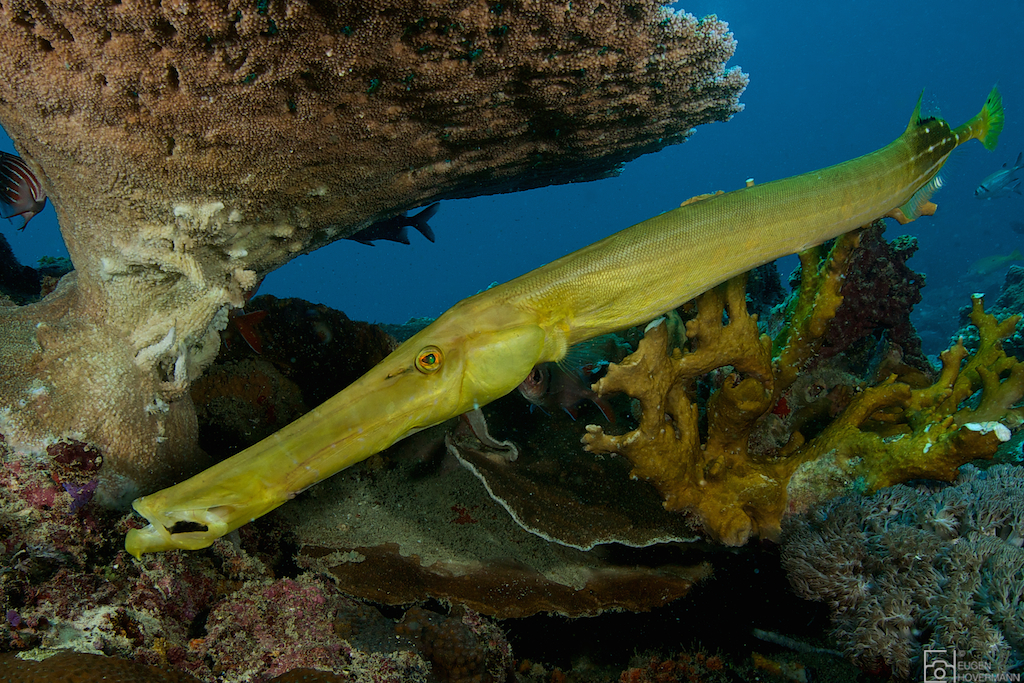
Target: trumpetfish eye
(429,359)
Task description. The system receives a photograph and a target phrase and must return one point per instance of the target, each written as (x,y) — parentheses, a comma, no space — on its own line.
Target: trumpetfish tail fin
(986,124)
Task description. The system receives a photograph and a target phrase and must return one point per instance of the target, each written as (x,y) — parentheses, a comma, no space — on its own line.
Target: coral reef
(82,667)
(910,569)
(699,667)
(783,430)
(241,613)
(1010,302)
(318,348)
(85,668)
(462,646)
(879,292)
(404,526)
(307,353)
(399,529)
(190,150)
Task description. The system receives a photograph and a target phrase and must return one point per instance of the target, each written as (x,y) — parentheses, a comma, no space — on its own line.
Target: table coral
(445,538)
(190,148)
(774,442)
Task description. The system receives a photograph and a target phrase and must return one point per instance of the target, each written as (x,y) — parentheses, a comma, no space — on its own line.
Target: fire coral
(763,450)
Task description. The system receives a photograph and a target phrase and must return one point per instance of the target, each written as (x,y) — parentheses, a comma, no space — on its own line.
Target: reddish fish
(553,389)
(21,193)
(564,385)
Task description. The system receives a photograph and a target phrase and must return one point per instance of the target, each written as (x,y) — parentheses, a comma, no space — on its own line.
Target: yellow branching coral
(817,300)
(734,494)
(191,148)
(883,435)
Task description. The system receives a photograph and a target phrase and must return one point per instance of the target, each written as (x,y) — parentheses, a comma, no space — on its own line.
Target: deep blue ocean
(828,82)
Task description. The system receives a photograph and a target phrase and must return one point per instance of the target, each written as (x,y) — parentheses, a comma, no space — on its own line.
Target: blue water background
(828,82)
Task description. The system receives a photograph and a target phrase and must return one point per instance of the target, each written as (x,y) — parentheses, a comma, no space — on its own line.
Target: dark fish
(564,385)
(396,228)
(552,388)
(21,193)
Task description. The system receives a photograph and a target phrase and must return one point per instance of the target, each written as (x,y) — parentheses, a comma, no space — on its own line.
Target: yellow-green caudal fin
(986,125)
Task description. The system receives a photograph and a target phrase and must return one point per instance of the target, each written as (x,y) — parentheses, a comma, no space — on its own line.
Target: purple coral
(879,293)
(270,628)
(80,493)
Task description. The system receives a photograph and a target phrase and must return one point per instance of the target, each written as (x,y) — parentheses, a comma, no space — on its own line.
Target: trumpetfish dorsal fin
(915,118)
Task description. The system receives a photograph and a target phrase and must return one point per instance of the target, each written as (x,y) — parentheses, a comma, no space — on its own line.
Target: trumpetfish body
(486,345)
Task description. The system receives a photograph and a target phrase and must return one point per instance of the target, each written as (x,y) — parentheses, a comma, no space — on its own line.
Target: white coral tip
(1001,430)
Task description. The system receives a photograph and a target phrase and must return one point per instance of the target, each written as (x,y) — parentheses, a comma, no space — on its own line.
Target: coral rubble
(910,569)
(189,150)
(783,428)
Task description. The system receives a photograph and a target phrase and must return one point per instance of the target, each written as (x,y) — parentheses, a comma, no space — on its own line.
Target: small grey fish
(1002,183)
(397,227)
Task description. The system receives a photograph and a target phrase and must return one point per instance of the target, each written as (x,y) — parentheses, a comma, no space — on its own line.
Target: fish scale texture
(78,667)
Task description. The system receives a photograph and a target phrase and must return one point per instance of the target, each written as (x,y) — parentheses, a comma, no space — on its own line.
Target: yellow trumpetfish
(484,346)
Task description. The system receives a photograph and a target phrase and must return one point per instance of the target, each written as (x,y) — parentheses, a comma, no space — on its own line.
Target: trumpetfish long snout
(486,345)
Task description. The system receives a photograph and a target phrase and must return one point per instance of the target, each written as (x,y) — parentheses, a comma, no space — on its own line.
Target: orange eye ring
(429,359)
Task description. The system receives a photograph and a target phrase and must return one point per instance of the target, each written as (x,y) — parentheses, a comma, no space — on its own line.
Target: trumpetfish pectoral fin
(919,205)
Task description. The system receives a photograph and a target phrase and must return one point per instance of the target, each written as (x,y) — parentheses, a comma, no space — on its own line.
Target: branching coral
(913,569)
(775,442)
(190,148)
(666,448)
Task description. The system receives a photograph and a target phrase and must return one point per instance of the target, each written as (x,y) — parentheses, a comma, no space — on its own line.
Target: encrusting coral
(783,433)
(912,569)
(190,148)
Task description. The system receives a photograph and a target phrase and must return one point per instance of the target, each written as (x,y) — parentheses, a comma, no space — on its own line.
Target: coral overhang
(191,147)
